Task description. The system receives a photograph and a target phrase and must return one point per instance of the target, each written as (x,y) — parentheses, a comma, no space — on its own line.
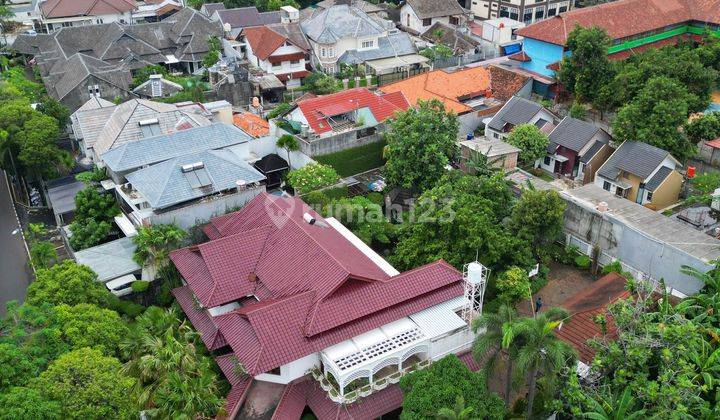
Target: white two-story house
(280,49)
(345,34)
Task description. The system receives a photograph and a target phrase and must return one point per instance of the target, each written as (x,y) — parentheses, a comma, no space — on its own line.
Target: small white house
(420,15)
(278,49)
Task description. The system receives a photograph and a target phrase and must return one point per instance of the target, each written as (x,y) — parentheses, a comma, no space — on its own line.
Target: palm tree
(616,408)
(154,244)
(537,348)
(458,412)
(491,341)
(289,143)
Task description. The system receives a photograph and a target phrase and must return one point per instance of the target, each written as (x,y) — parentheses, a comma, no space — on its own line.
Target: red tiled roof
(252,124)
(292,402)
(520,56)
(263,40)
(67,8)
(584,306)
(624,18)
(381,106)
(284,77)
(715,144)
(199,318)
(236,395)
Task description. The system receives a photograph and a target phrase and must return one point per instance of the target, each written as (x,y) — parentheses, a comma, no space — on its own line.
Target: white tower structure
(475,279)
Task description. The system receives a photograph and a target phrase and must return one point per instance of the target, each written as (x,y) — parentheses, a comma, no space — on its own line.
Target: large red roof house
(313,314)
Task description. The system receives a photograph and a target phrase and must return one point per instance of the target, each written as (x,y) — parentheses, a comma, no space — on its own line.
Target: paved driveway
(15,275)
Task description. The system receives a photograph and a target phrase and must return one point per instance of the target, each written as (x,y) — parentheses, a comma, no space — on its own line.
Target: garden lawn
(356,160)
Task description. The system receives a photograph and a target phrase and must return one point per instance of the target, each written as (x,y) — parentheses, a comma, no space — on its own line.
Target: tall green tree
(459,220)
(588,67)
(703,128)
(87,384)
(289,143)
(427,390)
(22,403)
(531,141)
(420,143)
(458,412)
(537,218)
(488,347)
(656,116)
(539,351)
(154,244)
(94,214)
(68,283)
(87,325)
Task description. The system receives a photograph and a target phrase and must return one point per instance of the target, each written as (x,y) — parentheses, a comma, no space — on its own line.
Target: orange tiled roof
(444,86)
(624,18)
(251,124)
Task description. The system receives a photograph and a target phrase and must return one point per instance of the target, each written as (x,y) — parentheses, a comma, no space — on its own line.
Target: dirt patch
(563,282)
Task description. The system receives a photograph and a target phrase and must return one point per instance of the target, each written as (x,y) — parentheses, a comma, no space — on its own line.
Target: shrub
(613,267)
(376,198)
(140,286)
(130,309)
(312,177)
(316,199)
(514,284)
(582,261)
(281,108)
(578,111)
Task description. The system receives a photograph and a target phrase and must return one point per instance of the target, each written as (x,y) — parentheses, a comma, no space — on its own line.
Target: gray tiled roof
(327,26)
(394,45)
(573,134)
(159,148)
(635,157)
(658,178)
(516,111)
(164,184)
(435,8)
(592,151)
(110,260)
(243,17)
(77,68)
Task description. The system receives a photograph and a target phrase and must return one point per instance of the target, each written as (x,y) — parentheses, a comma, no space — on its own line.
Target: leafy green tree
(538,349)
(17,368)
(154,244)
(174,376)
(514,285)
(459,220)
(703,128)
(312,177)
(420,144)
(213,54)
(93,219)
(39,153)
(655,117)
(86,325)
(22,403)
(43,254)
(364,218)
(457,412)
(273,5)
(530,140)
(703,186)
(537,218)
(56,110)
(488,343)
(89,177)
(578,111)
(436,52)
(588,67)
(87,384)
(321,84)
(289,143)
(281,108)
(427,390)
(615,408)
(68,283)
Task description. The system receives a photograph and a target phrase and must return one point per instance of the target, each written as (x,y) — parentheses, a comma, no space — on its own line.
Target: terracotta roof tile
(67,8)
(624,18)
(263,40)
(520,56)
(584,306)
(316,110)
(199,318)
(236,395)
(252,124)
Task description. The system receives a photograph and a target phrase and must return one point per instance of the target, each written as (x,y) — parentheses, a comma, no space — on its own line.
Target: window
(539,13)
(323,52)
(527,15)
(547,160)
(454,20)
(496,135)
(427,22)
(368,44)
(552,11)
(294,62)
(606,186)
(276,65)
(648,197)
(511,12)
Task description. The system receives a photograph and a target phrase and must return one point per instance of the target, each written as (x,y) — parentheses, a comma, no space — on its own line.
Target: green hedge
(356,160)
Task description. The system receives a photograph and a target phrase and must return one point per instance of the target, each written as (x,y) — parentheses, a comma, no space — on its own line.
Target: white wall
(291,371)
(453,342)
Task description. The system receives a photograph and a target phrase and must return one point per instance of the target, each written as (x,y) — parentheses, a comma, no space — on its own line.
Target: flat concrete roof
(651,223)
(490,148)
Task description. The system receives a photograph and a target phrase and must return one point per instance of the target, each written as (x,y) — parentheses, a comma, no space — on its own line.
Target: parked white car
(121,286)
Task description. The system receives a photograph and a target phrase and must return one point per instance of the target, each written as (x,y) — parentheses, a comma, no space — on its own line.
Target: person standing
(538,304)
